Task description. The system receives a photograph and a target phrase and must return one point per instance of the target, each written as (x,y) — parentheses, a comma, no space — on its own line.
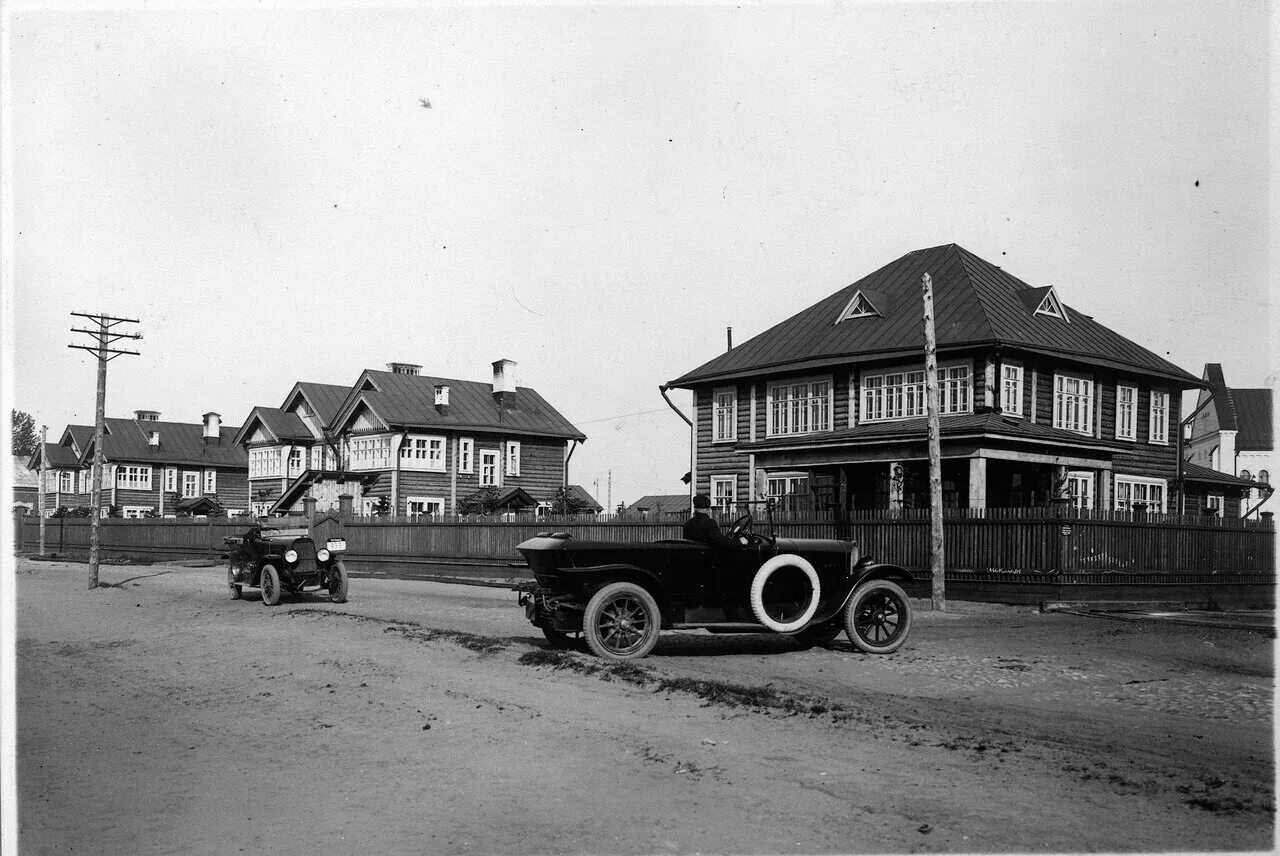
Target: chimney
(153,439)
(212,427)
(504,379)
(442,395)
(410,369)
(146,415)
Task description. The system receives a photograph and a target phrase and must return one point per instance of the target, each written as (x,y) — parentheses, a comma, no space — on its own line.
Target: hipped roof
(180,443)
(975,303)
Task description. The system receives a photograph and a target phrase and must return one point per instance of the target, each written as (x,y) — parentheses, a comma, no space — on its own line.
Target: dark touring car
(618,596)
(280,561)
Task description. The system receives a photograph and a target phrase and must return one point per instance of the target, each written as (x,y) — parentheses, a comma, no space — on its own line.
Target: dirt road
(158,716)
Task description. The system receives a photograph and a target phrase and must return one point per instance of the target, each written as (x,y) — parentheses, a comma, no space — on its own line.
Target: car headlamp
(322,555)
(291,556)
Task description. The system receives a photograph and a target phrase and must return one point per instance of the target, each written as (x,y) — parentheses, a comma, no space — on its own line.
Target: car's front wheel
(236,591)
(878,617)
(338,583)
(270,586)
(621,622)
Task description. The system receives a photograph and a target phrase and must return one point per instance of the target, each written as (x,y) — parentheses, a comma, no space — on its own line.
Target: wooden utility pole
(937,548)
(44,442)
(104,337)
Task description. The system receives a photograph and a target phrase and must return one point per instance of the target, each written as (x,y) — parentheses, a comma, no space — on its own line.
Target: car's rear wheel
(237,591)
(621,622)
(878,617)
(338,583)
(271,592)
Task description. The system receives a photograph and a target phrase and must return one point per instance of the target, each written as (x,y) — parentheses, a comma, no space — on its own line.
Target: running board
(724,627)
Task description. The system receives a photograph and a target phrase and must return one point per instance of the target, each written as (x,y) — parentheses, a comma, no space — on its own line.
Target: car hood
(813,545)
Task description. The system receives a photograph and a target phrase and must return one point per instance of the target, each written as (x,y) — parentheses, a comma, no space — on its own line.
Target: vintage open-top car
(284,560)
(618,596)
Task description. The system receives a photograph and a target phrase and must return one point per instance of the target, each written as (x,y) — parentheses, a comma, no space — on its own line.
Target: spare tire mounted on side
(785,560)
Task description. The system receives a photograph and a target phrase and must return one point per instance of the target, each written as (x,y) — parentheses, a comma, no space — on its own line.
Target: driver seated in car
(701,527)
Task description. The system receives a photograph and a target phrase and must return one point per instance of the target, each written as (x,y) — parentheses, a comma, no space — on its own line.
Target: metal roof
(57,456)
(280,424)
(1254,421)
(580,493)
(1197,473)
(24,476)
(325,398)
(662,503)
(180,443)
(975,303)
(409,401)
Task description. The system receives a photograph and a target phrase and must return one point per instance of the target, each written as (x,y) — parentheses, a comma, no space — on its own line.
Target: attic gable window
(1050,305)
(859,307)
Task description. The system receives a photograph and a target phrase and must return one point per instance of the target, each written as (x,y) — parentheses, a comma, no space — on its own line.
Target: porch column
(896,479)
(1104,490)
(977,482)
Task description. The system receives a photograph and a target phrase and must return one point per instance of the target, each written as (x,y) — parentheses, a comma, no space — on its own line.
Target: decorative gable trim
(863,304)
(1050,305)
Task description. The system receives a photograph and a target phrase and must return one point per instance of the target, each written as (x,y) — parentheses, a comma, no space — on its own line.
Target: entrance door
(1080,485)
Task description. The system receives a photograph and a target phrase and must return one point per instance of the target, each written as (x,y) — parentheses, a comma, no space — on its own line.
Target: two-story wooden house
(414,445)
(152,467)
(1038,401)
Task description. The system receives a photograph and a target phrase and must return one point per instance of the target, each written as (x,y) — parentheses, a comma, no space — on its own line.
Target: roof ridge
(964,256)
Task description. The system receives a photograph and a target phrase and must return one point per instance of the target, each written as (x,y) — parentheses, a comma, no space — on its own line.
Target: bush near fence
(1037,552)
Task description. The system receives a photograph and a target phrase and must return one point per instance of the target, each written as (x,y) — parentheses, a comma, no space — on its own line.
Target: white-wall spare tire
(786,560)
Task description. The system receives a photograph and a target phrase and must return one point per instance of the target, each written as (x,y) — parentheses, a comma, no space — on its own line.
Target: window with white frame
(1126,412)
(724,415)
(1264,477)
(799,407)
(1080,489)
(297,460)
(170,479)
(513,458)
(1073,404)
(424,506)
(954,388)
(422,453)
(892,395)
(1214,502)
(265,463)
(1159,424)
(724,492)
(190,484)
(1133,493)
(133,477)
(488,469)
(466,454)
(136,511)
(367,506)
(786,484)
(66,481)
(210,481)
(260,509)
(371,453)
(1011,389)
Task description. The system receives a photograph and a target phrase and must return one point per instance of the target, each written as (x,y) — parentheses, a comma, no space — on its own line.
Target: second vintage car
(619,596)
(284,561)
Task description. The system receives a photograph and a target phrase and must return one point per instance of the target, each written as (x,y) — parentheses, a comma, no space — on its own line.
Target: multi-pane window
(787,484)
(724,415)
(318,455)
(513,458)
(259,509)
(1011,389)
(170,479)
(190,484)
(466,454)
(1126,413)
(800,408)
(265,463)
(210,481)
(953,386)
(422,453)
(297,458)
(489,469)
(724,492)
(371,453)
(1159,431)
(1073,404)
(1139,494)
(66,480)
(423,506)
(133,478)
(1214,503)
(896,395)
(1080,489)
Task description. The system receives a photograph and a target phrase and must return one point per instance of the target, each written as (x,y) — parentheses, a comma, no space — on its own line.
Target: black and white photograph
(638,428)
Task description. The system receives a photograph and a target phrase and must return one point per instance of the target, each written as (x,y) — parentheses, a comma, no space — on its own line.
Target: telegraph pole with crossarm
(104,337)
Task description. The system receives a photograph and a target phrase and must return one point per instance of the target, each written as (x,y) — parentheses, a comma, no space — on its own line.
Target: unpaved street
(159,716)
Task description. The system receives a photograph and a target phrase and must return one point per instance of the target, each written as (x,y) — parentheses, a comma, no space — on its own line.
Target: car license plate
(336,545)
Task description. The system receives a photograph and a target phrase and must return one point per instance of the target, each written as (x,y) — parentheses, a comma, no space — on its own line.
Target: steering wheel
(740,527)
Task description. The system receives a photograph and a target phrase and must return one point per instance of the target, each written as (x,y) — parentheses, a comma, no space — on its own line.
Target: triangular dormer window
(859,307)
(1050,305)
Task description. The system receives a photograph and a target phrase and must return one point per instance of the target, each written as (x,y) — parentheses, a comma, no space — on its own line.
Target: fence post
(62,529)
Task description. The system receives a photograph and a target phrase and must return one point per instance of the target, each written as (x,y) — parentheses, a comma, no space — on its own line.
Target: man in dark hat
(701,527)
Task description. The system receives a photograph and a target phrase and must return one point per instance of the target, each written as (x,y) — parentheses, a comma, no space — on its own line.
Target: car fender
(835,602)
(598,576)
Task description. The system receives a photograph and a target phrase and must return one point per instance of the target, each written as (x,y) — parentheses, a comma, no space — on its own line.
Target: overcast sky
(597,193)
